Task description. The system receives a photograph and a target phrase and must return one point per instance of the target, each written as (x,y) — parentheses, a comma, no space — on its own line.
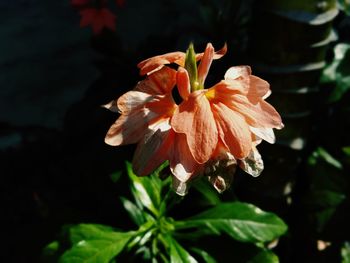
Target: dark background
(55,168)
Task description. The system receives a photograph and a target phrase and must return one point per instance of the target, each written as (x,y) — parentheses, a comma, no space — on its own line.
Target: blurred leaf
(146,190)
(265,256)
(205,256)
(324,198)
(135,213)
(177,253)
(51,252)
(338,72)
(91,232)
(101,251)
(241,221)
(115,176)
(323,154)
(346,150)
(344,6)
(345,252)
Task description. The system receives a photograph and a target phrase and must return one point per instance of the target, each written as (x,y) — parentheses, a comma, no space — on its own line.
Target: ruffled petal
(195,118)
(182,163)
(183,83)
(233,130)
(253,163)
(238,72)
(153,149)
(158,83)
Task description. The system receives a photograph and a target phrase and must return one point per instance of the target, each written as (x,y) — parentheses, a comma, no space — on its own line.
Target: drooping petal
(158,83)
(253,163)
(129,128)
(195,118)
(153,149)
(260,115)
(266,134)
(182,163)
(217,55)
(151,65)
(233,130)
(205,63)
(181,188)
(183,83)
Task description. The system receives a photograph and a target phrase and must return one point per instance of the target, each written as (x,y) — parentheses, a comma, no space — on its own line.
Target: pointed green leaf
(135,213)
(177,253)
(208,191)
(146,190)
(96,251)
(241,221)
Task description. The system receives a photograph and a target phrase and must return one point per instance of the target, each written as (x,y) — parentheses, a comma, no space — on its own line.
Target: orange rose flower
(208,133)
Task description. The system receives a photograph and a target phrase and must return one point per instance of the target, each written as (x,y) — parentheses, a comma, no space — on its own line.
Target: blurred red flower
(98,19)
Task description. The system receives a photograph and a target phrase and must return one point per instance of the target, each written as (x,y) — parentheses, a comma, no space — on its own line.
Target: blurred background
(55,74)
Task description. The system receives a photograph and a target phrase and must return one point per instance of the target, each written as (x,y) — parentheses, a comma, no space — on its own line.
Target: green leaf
(96,251)
(177,253)
(208,191)
(205,256)
(135,213)
(146,190)
(81,232)
(345,252)
(95,243)
(241,221)
(265,256)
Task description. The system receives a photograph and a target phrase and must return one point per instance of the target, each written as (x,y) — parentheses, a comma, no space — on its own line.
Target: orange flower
(208,133)
(145,119)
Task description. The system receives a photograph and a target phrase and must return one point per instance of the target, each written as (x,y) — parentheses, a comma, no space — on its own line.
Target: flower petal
(233,130)
(150,65)
(158,83)
(238,72)
(194,118)
(253,163)
(259,115)
(153,149)
(266,134)
(182,163)
(205,63)
(132,100)
(183,83)
(129,128)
